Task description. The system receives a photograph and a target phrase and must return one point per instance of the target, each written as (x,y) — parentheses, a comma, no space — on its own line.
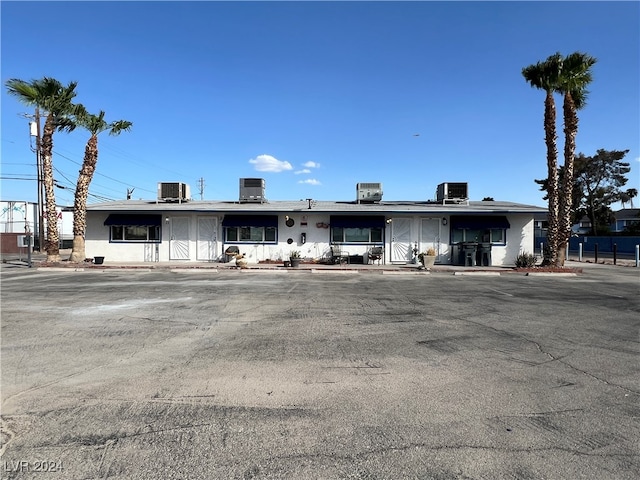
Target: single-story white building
(175,228)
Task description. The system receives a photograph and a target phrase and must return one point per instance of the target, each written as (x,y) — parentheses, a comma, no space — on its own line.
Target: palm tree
(544,76)
(95,124)
(628,196)
(54,99)
(574,78)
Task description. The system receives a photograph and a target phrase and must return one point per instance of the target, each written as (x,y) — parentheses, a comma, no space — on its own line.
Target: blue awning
(129,220)
(479,222)
(250,221)
(357,221)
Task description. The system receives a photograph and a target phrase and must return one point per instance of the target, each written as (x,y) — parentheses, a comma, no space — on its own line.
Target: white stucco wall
(520,237)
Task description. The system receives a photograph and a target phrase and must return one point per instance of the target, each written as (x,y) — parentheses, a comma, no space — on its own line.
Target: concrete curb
(479,274)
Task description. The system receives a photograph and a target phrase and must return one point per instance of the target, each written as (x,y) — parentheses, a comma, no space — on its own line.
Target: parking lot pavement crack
(584,372)
(437,448)
(554,358)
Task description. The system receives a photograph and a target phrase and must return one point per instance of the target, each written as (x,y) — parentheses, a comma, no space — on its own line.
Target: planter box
(428,260)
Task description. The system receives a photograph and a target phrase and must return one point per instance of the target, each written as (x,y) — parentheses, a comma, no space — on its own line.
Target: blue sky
(315,97)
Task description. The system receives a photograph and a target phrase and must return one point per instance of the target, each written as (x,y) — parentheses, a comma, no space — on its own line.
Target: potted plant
(428,258)
(294,258)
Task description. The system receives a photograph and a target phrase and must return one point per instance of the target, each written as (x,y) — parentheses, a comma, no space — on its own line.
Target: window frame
(151,232)
(357,237)
(481,235)
(268,235)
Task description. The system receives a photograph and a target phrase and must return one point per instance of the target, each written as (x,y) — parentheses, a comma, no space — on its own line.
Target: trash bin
(457,254)
(484,254)
(98,260)
(469,250)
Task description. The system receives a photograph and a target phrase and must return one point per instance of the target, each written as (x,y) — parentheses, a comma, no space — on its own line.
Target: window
(250,228)
(250,234)
(357,228)
(492,235)
(356,235)
(135,233)
(479,228)
(133,227)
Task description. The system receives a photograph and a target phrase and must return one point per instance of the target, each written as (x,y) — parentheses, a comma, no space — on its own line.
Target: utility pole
(201,187)
(35,132)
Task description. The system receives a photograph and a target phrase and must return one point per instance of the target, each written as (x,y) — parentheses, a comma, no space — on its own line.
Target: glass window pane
(356,234)
(497,236)
(117,232)
(154,233)
(256,234)
(135,233)
(270,234)
(244,234)
(231,234)
(337,234)
(376,234)
(457,235)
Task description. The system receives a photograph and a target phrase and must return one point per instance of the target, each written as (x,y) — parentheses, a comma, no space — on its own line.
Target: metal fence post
(580,252)
(637,256)
(595,253)
(615,253)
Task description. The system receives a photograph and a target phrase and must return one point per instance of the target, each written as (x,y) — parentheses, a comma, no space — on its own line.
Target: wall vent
(252,190)
(173,192)
(452,193)
(369,192)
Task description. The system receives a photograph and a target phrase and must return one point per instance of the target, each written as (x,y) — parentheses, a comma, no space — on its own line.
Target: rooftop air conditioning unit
(452,193)
(369,192)
(252,190)
(173,192)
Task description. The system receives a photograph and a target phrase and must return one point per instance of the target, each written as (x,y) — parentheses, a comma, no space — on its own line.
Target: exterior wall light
(444,220)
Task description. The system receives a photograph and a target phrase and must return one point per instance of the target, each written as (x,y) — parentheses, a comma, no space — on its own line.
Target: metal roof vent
(174,192)
(252,190)
(369,192)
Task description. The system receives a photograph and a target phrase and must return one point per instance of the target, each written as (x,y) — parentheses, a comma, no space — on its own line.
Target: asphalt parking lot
(255,374)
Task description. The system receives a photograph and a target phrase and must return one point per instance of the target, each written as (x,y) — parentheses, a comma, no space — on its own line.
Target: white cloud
(267,163)
(311,164)
(304,170)
(310,181)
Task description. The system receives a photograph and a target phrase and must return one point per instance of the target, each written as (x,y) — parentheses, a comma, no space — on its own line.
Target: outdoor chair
(338,255)
(375,254)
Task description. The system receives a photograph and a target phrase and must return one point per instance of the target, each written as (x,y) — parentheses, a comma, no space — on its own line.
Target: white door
(179,242)
(401,247)
(430,234)
(207,245)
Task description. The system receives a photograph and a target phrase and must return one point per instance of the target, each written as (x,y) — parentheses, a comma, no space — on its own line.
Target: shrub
(526,260)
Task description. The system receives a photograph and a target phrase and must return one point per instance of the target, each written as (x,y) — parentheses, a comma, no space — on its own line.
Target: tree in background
(600,179)
(575,76)
(55,100)
(545,76)
(597,184)
(94,124)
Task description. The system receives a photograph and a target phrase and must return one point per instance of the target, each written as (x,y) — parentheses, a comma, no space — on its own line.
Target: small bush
(526,260)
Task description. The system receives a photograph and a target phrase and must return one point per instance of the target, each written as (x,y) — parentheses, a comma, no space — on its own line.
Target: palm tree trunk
(552,184)
(566,199)
(80,201)
(52,241)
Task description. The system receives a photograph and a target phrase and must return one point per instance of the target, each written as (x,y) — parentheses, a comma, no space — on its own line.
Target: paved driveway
(237,374)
